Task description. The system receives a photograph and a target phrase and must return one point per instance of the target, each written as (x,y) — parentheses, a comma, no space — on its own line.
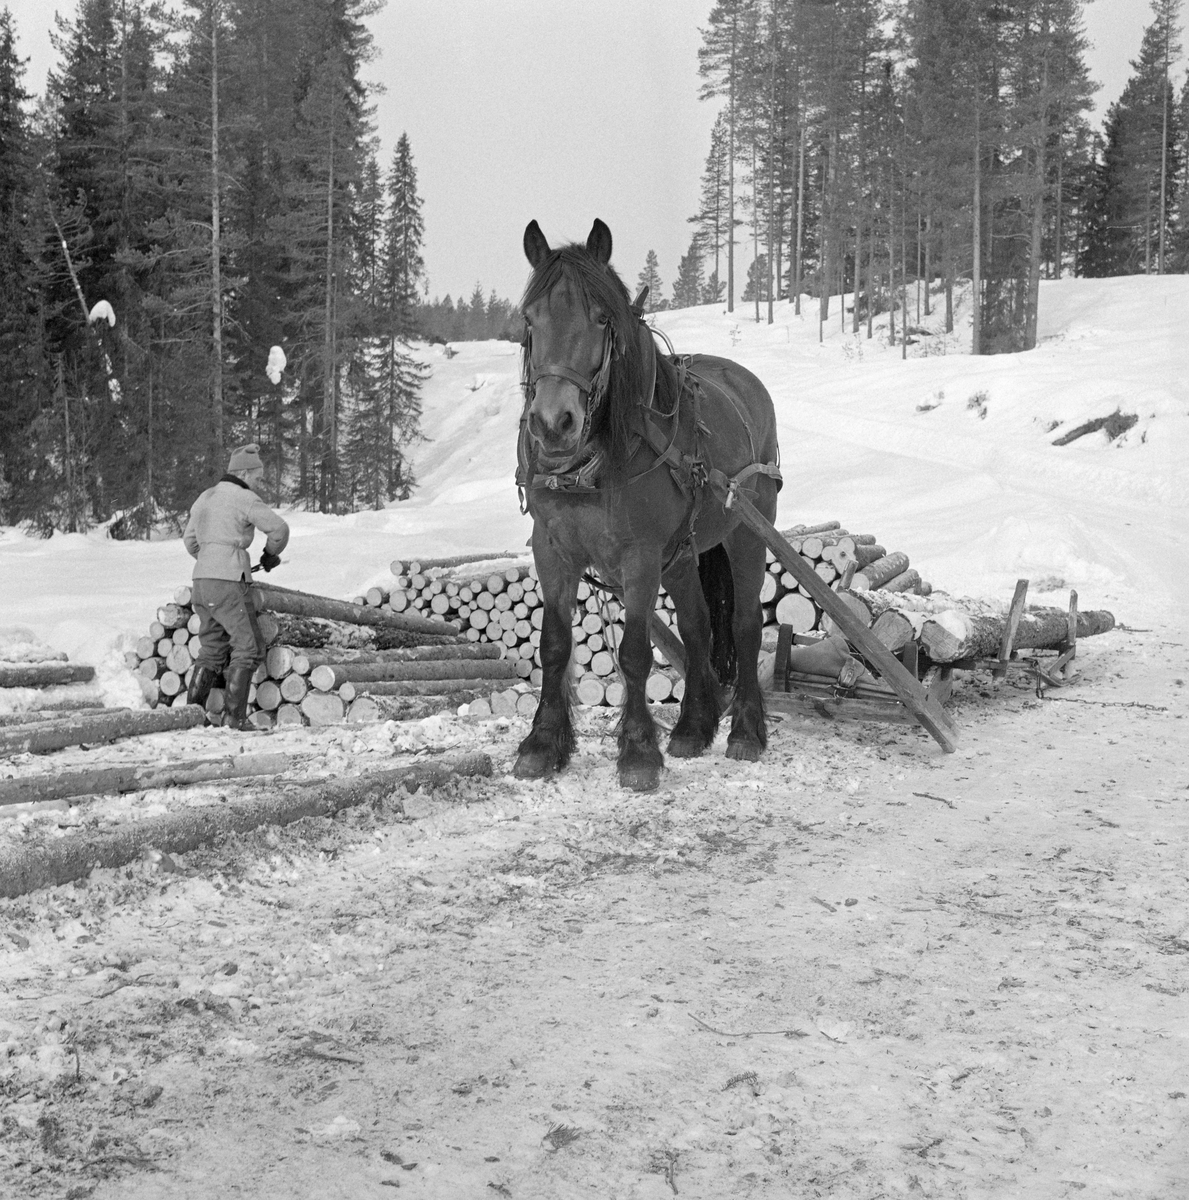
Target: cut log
(303,604)
(34,716)
(882,569)
(424,687)
(953,635)
(364,709)
(262,718)
(796,610)
(38,675)
(327,678)
(110,781)
(857,607)
(268,695)
(414,708)
(590,690)
(346,692)
(867,553)
(269,626)
(171,684)
(461,650)
(322,708)
(658,688)
(906,581)
(893,629)
(279,661)
(25,868)
(294,688)
(101,727)
(289,714)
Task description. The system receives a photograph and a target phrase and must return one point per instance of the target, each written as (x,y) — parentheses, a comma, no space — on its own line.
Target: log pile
(330,661)
(504,606)
(494,605)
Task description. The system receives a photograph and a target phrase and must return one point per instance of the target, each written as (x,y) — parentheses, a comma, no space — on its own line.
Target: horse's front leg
(640,759)
(550,742)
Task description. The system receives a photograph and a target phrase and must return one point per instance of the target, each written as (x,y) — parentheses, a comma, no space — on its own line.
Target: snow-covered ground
(945,456)
(859,967)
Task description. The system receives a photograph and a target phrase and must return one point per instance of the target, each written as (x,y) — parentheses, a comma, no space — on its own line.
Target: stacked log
(501,604)
(346,671)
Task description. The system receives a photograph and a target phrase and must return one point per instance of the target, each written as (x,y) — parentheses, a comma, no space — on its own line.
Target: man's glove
(268,561)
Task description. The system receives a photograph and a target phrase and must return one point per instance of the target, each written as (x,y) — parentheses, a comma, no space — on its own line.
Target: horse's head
(577,315)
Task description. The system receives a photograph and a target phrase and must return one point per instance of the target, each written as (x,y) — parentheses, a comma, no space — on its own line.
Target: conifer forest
(204,243)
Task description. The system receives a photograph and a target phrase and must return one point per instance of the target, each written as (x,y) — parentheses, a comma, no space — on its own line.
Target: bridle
(593,388)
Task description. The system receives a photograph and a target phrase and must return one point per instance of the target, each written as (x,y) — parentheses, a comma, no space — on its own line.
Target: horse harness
(689,471)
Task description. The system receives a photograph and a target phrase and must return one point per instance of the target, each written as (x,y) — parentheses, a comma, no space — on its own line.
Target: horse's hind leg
(550,742)
(640,759)
(697,722)
(749,734)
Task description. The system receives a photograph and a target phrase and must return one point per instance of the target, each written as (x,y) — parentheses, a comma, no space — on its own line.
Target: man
(222,523)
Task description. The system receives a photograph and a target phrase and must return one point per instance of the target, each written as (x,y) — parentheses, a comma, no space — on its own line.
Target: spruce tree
(650,277)
(687,290)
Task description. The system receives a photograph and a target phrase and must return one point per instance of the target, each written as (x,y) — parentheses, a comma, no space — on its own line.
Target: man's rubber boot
(201,683)
(235,698)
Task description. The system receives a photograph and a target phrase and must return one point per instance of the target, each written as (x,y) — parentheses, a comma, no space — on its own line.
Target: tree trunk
(952,635)
(117,723)
(427,687)
(303,604)
(328,678)
(44,674)
(414,654)
(216,247)
(23,869)
(976,271)
(106,781)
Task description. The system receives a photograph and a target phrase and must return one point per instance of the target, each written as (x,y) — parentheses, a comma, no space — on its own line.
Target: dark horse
(616,441)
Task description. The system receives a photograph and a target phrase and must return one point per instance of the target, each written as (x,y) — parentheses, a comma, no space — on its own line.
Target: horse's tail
(714,571)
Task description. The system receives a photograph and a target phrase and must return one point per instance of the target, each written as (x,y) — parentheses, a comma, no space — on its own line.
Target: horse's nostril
(566,424)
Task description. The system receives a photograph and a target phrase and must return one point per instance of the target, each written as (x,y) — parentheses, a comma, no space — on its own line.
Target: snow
(887,446)
(859,966)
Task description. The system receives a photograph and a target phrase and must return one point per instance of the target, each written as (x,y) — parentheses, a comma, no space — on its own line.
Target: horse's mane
(598,285)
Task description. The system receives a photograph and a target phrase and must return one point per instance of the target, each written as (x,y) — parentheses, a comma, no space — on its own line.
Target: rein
(580,474)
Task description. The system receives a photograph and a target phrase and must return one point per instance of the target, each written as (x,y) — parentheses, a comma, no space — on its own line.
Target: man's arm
(271,523)
(190,537)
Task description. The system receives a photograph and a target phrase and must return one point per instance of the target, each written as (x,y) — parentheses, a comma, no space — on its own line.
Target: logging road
(858,960)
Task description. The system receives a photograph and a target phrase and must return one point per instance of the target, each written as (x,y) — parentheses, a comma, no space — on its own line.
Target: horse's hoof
(686,747)
(533,765)
(744,751)
(642,778)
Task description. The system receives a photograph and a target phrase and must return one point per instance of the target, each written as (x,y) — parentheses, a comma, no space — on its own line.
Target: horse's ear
(599,241)
(535,245)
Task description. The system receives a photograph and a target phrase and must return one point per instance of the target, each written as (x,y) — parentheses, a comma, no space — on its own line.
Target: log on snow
(101,727)
(34,716)
(304,604)
(463,650)
(23,869)
(424,687)
(101,781)
(414,708)
(952,635)
(893,629)
(327,678)
(37,675)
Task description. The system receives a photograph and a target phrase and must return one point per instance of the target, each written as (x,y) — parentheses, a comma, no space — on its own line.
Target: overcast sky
(560,112)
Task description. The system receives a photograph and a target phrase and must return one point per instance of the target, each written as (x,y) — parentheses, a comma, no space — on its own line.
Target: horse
(616,441)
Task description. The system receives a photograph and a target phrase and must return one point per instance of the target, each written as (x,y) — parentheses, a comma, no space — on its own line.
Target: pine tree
(650,278)
(406,229)
(687,290)
(1129,210)
(757,280)
(28,439)
(711,217)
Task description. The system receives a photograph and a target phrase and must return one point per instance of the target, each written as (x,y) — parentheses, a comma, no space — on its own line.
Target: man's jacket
(223,521)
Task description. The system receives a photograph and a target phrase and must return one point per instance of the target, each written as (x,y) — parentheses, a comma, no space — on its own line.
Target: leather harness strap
(689,471)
